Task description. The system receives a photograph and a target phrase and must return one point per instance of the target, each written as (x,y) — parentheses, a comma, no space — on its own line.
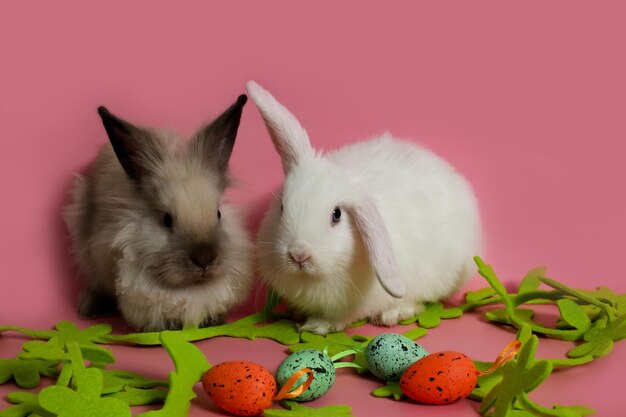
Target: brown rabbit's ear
(215,141)
(136,149)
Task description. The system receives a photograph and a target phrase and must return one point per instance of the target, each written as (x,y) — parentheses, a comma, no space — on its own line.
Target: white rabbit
(371,230)
(151,232)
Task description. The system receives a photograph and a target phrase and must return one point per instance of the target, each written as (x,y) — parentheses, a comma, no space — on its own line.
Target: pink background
(527,101)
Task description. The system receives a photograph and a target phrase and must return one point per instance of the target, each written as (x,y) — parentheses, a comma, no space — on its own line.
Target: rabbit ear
(377,242)
(214,143)
(289,137)
(135,148)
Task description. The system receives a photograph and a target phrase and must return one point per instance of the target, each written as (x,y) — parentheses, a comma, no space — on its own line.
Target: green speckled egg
(321,365)
(389,354)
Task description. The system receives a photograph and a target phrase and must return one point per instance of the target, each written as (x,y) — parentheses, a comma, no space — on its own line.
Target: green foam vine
(295,409)
(250,327)
(593,319)
(391,389)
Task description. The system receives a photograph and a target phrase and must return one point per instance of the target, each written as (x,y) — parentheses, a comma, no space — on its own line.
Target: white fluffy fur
(120,243)
(428,209)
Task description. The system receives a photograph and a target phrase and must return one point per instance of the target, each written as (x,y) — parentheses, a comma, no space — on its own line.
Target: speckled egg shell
(321,365)
(440,378)
(389,354)
(241,388)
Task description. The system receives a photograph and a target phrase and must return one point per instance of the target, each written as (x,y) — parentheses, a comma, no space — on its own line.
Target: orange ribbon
(506,355)
(285,394)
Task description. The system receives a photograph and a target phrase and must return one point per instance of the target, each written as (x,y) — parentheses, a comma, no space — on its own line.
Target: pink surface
(528,102)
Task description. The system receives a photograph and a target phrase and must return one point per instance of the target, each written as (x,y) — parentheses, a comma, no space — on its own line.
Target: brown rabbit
(151,232)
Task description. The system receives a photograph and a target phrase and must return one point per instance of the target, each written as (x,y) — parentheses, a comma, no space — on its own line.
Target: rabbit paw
(320,326)
(393,316)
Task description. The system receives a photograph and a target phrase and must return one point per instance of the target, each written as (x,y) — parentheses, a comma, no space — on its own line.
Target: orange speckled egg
(241,388)
(440,378)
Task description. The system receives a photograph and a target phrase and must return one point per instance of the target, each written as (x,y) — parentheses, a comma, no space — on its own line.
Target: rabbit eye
(219,214)
(167,220)
(336,215)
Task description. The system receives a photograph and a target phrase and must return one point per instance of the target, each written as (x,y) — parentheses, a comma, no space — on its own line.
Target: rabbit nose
(299,255)
(203,256)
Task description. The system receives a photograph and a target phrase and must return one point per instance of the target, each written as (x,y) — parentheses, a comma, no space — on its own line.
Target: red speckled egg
(241,388)
(440,378)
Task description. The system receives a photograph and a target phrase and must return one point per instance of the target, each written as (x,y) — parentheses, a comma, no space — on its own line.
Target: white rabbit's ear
(289,137)
(378,245)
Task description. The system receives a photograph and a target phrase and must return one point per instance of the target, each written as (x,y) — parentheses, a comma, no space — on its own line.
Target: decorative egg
(321,365)
(440,378)
(389,354)
(241,388)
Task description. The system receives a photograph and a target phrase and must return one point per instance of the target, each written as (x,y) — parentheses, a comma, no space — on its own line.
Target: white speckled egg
(389,354)
(321,365)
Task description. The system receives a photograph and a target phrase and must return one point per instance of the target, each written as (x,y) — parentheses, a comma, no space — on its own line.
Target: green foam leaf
(433,314)
(478,296)
(485,383)
(26,373)
(67,332)
(415,333)
(593,313)
(518,377)
(51,351)
(573,314)
(295,409)
(531,281)
(26,404)
(598,341)
(392,389)
(98,354)
(85,401)
(190,364)
(333,342)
